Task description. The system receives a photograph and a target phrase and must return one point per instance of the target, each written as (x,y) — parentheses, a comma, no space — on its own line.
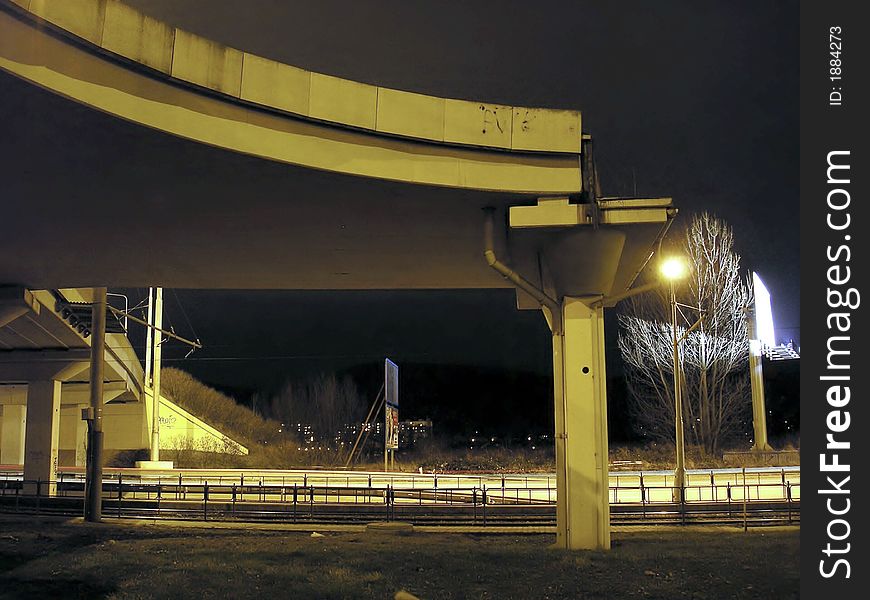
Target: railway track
(365,505)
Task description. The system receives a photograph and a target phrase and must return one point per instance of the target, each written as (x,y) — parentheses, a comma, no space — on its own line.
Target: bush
(218,410)
(268,448)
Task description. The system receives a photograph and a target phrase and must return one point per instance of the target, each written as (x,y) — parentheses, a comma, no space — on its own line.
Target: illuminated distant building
(411,432)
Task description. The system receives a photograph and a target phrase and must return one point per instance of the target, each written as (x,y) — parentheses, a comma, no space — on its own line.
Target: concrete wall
(12,422)
(73,437)
(126,427)
(180,429)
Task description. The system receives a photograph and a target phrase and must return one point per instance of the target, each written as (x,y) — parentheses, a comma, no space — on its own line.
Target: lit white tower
(759,327)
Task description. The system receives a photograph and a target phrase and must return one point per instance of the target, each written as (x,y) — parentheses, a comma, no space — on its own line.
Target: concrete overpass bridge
(45,374)
(138,154)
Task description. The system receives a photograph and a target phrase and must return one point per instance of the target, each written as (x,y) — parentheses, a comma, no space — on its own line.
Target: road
(626,487)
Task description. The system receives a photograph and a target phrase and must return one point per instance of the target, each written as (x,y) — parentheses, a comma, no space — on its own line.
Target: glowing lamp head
(673,268)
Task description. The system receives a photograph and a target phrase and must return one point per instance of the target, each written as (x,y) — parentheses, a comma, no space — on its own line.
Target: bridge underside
(118,197)
(148,208)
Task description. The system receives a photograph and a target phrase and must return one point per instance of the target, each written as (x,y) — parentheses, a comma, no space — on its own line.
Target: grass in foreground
(57,559)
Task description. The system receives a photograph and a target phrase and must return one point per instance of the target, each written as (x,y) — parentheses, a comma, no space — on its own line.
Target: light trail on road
(626,487)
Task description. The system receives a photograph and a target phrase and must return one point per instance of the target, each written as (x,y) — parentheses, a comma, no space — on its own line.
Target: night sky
(255,340)
(698,101)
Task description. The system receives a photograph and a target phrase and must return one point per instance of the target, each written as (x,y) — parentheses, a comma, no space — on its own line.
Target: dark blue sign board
(391,383)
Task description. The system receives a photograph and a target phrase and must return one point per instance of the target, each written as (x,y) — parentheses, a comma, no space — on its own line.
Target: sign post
(391,413)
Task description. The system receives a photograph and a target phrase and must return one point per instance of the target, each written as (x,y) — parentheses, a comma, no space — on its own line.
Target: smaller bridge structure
(45,383)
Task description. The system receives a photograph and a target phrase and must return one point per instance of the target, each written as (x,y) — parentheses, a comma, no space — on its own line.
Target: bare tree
(714,356)
(325,402)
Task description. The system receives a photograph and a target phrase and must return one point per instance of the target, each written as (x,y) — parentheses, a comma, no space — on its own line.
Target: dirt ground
(54,558)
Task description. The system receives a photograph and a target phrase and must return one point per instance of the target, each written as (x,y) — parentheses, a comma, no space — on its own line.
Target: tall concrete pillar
(759,408)
(756,380)
(12,434)
(583,510)
(42,435)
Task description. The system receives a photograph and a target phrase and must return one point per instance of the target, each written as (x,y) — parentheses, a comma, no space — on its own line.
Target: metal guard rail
(755,503)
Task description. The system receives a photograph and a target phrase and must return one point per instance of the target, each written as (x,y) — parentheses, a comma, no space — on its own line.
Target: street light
(674,269)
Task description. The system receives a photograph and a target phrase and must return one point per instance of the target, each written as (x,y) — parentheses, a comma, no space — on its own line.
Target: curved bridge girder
(108,56)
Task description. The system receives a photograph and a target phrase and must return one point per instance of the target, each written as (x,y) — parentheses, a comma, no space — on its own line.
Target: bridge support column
(759,410)
(42,435)
(12,434)
(580,390)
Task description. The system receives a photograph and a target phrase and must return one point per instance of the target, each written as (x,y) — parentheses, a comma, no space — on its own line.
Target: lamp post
(674,269)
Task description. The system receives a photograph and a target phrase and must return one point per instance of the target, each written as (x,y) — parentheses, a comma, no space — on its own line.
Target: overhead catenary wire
(163,331)
(186,318)
(143,305)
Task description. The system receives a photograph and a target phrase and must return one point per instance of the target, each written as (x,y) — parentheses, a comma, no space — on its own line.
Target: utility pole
(153,355)
(148,343)
(156,352)
(94,469)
